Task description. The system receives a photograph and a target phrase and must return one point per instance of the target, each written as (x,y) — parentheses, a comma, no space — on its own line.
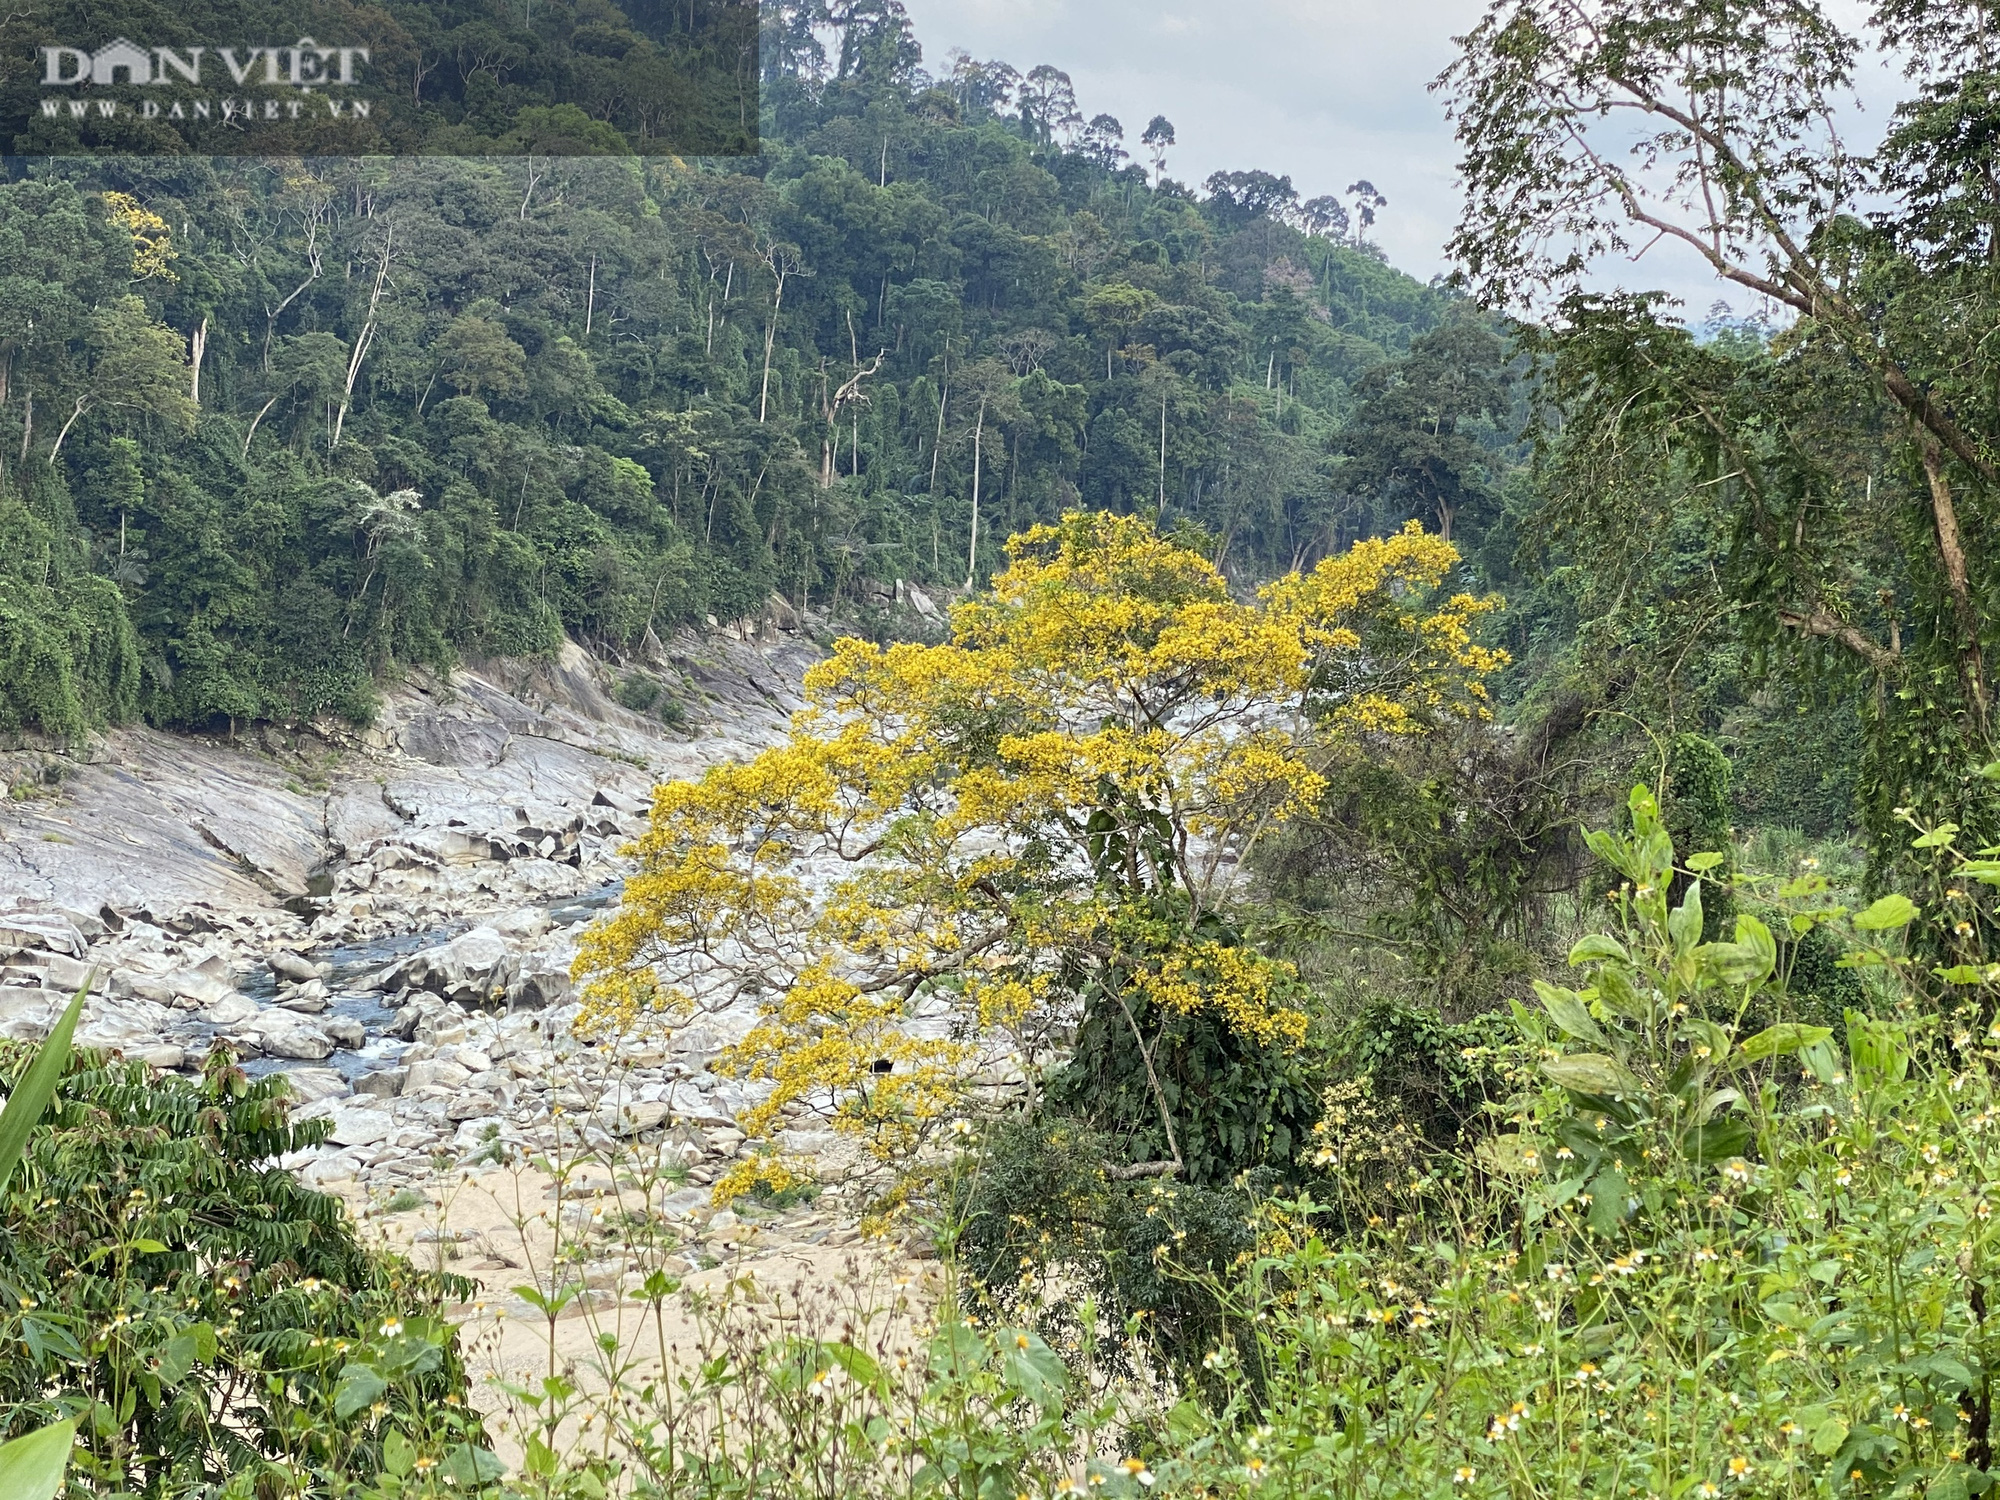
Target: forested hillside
(272,428)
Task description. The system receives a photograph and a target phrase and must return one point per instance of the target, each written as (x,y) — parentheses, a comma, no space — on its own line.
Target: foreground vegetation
(1701,1245)
(1218,975)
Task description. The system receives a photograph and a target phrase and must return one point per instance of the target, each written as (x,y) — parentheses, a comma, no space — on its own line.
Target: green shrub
(205,1318)
(1699,1262)
(1041,1210)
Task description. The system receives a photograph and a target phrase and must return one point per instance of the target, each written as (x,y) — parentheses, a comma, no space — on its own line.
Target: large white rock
(35,929)
(290,966)
(310,1085)
(230,1009)
(201,985)
(361,1127)
(632,1116)
(276,1039)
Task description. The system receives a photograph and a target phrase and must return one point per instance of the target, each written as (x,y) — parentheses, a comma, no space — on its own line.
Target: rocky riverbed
(389,916)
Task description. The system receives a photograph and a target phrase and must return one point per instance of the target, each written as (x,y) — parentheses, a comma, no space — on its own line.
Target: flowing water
(356,963)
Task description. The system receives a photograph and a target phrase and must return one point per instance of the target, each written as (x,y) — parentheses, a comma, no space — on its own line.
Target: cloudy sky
(1325,91)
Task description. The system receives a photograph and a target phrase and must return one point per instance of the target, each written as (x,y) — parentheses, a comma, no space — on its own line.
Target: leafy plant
(200,1316)
(36,1086)
(1698,1260)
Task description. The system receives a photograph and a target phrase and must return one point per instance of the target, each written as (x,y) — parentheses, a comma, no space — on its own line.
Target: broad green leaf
(1701,1033)
(1608,1191)
(469,1467)
(1567,1010)
(1785,1313)
(1990,771)
(1733,964)
(1939,837)
(1701,864)
(37,1086)
(399,1454)
(1753,934)
(1592,1073)
(1953,1372)
(1887,914)
(1598,945)
(1828,1436)
(31,1466)
(1718,1140)
(1718,1100)
(1878,1050)
(859,1366)
(176,1359)
(1823,1061)
(1615,991)
(1032,1367)
(1644,809)
(1783,1038)
(1684,921)
(359,1388)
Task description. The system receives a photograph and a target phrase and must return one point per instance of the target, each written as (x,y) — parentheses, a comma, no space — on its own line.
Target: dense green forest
(1429,926)
(273,428)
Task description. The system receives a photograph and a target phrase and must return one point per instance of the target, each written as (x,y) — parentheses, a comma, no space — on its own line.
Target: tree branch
(1831,627)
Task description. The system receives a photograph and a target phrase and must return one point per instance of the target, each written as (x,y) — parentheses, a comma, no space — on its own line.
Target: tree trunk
(770,339)
(197,347)
(972,552)
(82,406)
(1957,578)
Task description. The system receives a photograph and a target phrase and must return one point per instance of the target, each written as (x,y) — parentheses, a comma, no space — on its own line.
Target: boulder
(308,999)
(310,1085)
(435,1073)
(361,1126)
(45,930)
(306,1043)
(345,1030)
(524,924)
(56,970)
(201,986)
(468,968)
(383,1083)
(230,1009)
(144,986)
(291,966)
(632,1117)
(538,988)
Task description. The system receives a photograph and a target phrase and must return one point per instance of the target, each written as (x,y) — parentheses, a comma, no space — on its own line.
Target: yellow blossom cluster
(153,251)
(964,845)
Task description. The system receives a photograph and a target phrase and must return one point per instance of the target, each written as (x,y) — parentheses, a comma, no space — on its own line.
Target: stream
(373,1010)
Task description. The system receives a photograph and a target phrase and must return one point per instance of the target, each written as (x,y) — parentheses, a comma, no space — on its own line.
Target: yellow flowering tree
(965,850)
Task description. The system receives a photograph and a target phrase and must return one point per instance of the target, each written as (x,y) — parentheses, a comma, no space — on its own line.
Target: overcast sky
(1324,91)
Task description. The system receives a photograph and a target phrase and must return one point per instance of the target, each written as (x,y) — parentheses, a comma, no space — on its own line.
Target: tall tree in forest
(1412,442)
(1855,474)
(1158,140)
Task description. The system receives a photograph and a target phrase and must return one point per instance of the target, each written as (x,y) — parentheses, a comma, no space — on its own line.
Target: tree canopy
(1035,825)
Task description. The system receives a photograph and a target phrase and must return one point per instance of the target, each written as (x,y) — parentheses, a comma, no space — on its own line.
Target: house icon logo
(107,60)
(304,65)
